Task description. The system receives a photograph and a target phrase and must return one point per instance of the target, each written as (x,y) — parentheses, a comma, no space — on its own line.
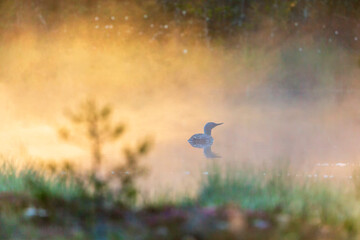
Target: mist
(293,98)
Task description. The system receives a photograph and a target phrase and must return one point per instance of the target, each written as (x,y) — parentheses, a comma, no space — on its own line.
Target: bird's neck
(207,131)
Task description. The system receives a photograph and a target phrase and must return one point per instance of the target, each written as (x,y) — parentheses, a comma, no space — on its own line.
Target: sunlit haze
(281,97)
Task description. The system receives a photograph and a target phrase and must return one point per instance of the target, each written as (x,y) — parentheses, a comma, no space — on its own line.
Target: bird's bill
(217,124)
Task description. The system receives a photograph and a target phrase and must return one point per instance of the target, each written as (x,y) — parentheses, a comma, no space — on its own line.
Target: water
(317,141)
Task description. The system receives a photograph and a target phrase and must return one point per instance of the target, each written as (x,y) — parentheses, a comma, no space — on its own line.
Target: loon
(205,140)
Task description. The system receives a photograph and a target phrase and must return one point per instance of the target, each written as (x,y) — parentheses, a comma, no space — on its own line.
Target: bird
(205,140)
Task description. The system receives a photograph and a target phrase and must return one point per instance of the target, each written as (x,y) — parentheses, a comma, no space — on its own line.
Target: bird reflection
(205,140)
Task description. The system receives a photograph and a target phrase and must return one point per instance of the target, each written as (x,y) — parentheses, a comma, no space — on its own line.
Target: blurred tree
(94,123)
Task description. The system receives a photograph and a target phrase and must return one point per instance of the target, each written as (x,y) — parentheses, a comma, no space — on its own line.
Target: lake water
(315,140)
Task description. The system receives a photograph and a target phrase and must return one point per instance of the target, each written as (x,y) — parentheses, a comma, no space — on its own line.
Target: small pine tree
(94,123)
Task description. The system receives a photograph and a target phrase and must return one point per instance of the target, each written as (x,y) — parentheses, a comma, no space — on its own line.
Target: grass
(278,190)
(277,195)
(32,180)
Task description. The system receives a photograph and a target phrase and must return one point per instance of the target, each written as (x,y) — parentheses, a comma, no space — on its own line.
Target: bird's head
(209,126)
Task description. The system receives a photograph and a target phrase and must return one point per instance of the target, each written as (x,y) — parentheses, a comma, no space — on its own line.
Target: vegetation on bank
(233,204)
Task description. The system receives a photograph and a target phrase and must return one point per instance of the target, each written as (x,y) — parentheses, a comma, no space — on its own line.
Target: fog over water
(293,103)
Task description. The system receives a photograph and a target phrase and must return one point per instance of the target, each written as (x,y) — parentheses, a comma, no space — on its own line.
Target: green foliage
(35,184)
(276,190)
(290,206)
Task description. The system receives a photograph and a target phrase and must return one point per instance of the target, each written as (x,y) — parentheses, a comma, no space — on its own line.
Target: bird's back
(200,140)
